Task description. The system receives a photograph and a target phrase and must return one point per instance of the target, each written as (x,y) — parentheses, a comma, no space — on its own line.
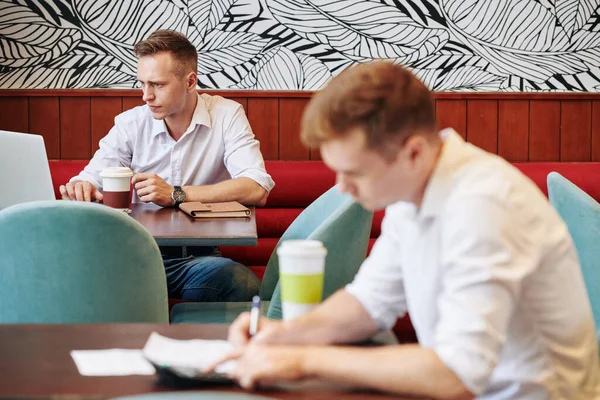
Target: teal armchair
(72,262)
(582,216)
(335,219)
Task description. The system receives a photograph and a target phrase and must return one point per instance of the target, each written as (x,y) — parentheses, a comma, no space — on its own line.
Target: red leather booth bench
(298,183)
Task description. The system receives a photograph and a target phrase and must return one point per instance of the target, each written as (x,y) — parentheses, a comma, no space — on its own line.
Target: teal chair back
(328,212)
(335,219)
(72,262)
(344,228)
(581,213)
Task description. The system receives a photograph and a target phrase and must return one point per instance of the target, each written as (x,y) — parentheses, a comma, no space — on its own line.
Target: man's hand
(80,191)
(152,188)
(264,365)
(339,319)
(268,331)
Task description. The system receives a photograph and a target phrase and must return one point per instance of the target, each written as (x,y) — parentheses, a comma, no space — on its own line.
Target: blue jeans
(209,277)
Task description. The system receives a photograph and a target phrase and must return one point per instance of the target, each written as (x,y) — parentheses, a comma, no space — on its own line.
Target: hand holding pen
(244,331)
(252,327)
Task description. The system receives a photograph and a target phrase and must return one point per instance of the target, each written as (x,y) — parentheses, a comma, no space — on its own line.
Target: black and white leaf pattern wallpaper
(452,45)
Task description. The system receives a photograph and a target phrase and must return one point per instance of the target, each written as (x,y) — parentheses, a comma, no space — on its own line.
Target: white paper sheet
(161,350)
(195,353)
(111,362)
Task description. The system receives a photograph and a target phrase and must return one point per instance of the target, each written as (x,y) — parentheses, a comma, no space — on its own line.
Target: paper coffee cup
(116,184)
(301,273)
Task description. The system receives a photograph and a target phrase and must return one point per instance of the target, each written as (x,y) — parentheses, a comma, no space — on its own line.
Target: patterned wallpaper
(453,45)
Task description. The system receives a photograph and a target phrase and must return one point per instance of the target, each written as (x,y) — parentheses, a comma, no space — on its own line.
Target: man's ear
(192,81)
(414,147)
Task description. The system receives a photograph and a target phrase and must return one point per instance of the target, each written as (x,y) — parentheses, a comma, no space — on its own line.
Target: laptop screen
(24,170)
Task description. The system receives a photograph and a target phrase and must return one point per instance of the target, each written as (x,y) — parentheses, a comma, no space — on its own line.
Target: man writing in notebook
(469,247)
(183,146)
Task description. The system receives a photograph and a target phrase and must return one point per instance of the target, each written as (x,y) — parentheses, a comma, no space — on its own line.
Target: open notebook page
(195,353)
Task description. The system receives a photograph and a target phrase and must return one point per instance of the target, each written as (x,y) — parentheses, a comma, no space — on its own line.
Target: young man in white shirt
(183,146)
(470,247)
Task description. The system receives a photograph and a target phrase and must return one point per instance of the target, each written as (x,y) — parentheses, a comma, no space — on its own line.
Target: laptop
(24,170)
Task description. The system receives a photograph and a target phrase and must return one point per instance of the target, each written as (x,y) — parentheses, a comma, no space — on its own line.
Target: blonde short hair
(183,51)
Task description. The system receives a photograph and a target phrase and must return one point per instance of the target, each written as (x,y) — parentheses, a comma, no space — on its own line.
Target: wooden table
(172,227)
(35,362)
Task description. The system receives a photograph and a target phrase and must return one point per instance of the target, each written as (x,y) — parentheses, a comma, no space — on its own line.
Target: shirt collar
(201,116)
(454,154)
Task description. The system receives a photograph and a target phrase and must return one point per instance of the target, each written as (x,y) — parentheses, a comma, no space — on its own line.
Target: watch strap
(178,195)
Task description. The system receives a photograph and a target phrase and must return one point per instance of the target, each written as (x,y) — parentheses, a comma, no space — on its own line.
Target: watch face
(179,196)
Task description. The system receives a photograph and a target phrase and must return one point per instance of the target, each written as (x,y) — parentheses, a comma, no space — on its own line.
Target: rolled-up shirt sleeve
(116,149)
(242,152)
(379,285)
(485,262)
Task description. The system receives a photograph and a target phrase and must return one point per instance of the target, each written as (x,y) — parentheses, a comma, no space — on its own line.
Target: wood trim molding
(299,94)
(138,93)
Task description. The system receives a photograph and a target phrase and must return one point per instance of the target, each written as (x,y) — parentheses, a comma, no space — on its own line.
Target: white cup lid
(302,243)
(116,172)
(302,247)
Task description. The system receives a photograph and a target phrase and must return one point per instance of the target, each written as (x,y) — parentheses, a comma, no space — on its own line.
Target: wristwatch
(178,196)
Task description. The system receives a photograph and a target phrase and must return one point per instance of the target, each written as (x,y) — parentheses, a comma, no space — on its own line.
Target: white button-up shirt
(217,146)
(490,276)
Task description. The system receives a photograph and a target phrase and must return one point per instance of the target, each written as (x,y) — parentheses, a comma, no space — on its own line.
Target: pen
(254,315)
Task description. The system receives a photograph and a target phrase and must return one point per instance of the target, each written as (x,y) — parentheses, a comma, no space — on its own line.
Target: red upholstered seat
(64,170)
(299,183)
(586,175)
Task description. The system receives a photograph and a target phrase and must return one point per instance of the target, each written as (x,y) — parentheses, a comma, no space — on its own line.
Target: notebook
(229,209)
(24,170)
(179,363)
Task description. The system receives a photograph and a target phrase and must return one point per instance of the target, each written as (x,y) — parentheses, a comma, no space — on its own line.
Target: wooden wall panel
(290,116)
(44,119)
(575,130)
(242,100)
(513,129)
(14,114)
(75,128)
(263,118)
(554,126)
(596,130)
(130,102)
(544,130)
(452,114)
(482,124)
(103,113)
